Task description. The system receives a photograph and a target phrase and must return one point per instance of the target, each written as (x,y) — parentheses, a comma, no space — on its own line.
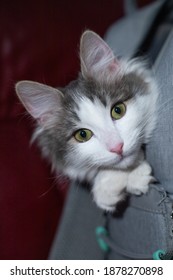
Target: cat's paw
(107,200)
(139,179)
(108,189)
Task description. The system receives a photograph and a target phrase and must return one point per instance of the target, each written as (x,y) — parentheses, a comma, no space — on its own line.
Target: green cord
(158,255)
(101,231)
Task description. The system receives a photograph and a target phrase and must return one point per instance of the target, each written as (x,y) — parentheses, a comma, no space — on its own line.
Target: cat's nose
(118,149)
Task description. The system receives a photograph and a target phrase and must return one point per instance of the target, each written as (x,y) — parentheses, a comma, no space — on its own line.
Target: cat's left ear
(41,101)
(97,58)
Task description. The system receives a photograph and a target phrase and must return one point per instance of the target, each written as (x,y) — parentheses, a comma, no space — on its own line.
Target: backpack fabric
(146,224)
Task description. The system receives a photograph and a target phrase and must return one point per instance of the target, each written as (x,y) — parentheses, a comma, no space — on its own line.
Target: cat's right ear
(96,57)
(41,101)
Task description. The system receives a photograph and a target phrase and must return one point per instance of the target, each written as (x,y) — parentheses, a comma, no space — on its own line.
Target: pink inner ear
(99,55)
(30,109)
(113,66)
(104,56)
(43,119)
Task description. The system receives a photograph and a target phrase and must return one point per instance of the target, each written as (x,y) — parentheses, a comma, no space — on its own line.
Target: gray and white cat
(94,128)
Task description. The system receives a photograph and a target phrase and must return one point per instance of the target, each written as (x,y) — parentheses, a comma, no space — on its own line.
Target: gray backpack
(144,229)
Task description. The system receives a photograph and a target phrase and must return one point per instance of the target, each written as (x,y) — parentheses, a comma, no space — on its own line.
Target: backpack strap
(126,37)
(157,34)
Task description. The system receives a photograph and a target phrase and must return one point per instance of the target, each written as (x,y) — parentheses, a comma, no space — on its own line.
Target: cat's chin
(121,162)
(127,161)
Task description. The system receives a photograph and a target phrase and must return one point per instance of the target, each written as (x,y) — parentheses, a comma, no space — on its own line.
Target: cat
(94,128)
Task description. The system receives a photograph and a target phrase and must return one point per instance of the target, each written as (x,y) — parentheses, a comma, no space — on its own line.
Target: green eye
(118,111)
(83,135)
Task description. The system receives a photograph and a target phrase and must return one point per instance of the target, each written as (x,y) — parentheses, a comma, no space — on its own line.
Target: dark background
(39,41)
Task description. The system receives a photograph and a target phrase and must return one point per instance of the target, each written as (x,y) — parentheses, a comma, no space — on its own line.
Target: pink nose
(118,149)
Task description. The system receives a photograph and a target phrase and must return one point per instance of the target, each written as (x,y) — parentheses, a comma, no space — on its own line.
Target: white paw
(108,189)
(139,179)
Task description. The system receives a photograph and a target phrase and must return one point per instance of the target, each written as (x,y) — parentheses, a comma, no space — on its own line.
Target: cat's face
(107,135)
(98,121)
(112,123)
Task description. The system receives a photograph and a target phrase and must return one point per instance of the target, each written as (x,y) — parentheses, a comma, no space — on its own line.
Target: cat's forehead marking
(93,113)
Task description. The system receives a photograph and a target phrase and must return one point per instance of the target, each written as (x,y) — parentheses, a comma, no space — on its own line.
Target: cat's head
(98,121)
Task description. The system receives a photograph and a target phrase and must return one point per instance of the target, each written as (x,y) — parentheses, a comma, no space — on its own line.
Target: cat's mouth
(127,160)
(121,161)
(111,163)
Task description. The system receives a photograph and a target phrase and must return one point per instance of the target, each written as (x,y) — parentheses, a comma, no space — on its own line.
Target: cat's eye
(118,111)
(83,135)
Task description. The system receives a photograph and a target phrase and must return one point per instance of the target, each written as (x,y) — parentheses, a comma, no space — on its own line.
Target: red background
(38,41)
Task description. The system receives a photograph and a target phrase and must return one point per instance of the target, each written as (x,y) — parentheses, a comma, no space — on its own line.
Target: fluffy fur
(112,159)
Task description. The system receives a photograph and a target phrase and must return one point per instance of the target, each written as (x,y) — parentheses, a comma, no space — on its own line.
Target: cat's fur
(112,160)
